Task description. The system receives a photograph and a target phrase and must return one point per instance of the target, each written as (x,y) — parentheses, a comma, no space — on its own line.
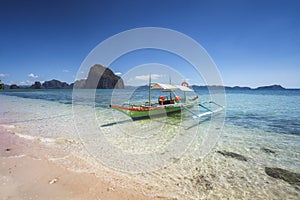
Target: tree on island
(1,86)
(36,85)
(14,86)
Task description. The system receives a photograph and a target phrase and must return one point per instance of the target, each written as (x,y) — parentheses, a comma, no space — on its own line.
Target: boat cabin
(163,100)
(168,99)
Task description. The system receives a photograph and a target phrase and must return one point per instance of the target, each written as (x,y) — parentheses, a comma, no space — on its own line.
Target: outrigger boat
(166,104)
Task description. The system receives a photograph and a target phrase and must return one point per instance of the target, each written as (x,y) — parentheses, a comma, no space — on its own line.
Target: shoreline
(38,137)
(26,173)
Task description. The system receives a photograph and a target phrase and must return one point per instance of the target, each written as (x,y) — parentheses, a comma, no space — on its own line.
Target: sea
(177,156)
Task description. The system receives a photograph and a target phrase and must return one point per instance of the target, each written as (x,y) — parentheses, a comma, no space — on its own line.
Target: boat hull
(142,112)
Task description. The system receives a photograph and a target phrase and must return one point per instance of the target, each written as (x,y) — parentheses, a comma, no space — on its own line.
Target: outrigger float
(166,104)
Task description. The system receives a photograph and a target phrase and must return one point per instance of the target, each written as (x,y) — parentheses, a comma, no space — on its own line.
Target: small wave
(46,140)
(17,156)
(27,137)
(60,158)
(8,126)
(41,139)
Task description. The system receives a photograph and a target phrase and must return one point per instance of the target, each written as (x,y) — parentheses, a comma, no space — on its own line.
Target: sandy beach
(26,174)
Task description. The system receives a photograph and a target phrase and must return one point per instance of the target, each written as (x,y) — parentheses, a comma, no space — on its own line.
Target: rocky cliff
(36,85)
(100,77)
(55,84)
(14,86)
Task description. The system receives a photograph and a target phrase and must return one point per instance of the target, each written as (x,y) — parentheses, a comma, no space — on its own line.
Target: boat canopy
(168,87)
(184,88)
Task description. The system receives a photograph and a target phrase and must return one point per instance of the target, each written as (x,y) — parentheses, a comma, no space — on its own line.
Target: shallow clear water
(254,120)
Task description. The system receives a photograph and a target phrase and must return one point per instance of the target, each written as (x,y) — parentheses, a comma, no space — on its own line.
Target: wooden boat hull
(144,112)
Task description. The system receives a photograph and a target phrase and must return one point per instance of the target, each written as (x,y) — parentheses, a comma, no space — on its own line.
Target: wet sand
(25,173)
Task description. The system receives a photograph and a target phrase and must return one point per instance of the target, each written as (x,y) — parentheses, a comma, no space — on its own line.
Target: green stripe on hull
(153,113)
(159,111)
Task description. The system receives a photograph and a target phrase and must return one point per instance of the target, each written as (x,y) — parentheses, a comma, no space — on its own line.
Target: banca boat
(166,104)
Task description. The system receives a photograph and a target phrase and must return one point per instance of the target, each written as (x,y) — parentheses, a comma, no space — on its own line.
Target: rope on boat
(216,104)
(206,108)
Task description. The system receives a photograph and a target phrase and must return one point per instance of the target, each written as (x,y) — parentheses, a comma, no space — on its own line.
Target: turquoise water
(254,120)
(272,111)
(269,110)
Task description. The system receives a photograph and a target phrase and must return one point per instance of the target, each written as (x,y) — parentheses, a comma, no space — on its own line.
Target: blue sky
(253,43)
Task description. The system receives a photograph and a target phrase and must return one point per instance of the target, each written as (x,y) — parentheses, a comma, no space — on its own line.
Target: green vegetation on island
(1,86)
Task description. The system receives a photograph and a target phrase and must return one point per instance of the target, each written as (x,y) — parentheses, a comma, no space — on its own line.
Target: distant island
(99,77)
(270,87)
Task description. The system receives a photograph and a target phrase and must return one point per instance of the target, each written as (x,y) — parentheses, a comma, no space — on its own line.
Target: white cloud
(65,71)
(3,75)
(118,73)
(31,75)
(146,77)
